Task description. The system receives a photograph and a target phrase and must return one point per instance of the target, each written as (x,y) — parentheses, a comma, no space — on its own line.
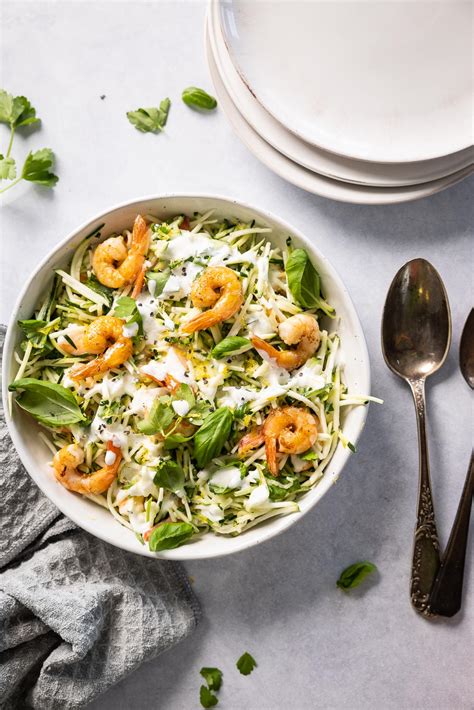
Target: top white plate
(380,81)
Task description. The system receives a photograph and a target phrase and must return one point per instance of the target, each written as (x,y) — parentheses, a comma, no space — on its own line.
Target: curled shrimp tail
(287,359)
(271,455)
(66,462)
(250,441)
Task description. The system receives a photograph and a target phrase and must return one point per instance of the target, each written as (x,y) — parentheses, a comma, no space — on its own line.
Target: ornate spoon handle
(426,547)
(446,596)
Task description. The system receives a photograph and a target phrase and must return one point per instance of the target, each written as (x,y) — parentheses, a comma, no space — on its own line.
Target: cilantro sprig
(17,112)
(150,120)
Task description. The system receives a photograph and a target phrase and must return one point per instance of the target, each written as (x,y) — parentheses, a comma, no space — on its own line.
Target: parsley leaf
(7,168)
(150,120)
(246,664)
(353,575)
(159,418)
(127,309)
(208,699)
(37,168)
(16,111)
(213,677)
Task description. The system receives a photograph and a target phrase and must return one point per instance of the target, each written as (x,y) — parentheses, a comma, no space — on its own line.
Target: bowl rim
(266,532)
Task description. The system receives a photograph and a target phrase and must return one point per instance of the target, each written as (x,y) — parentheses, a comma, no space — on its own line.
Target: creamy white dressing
(130,330)
(144,486)
(188,245)
(227,478)
(144,397)
(258,497)
(181,407)
(110,458)
(170,365)
(208,386)
(212,512)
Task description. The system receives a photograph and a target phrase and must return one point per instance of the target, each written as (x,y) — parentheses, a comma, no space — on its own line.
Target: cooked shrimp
(289,430)
(301,330)
(218,288)
(115,264)
(66,462)
(103,337)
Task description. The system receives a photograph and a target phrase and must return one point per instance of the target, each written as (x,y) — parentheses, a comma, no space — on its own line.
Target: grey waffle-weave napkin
(76,614)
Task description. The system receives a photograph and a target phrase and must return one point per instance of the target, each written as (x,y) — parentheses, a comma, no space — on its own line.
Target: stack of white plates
(368,102)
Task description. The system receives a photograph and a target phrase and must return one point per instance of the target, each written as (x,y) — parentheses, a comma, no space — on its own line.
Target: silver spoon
(416,335)
(446,595)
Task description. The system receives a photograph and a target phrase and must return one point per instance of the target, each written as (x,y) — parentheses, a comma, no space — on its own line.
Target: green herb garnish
(233,345)
(304,281)
(208,699)
(246,664)
(169,475)
(213,677)
(198,98)
(353,575)
(48,403)
(150,120)
(211,437)
(168,536)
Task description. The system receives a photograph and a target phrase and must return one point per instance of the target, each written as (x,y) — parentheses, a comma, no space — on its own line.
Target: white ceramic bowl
(36,456)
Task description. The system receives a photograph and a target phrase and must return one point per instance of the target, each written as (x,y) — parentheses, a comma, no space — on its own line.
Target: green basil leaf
(198,98)
(169,475)
(168,536)
(211,437)
(309,455)
(234,345)
(36,168)
(160,417)
(184,392)
(353,575)
(304,282)
(246,664)
(47,402)
(127,309)
(207,699)
(213,677)
(303,279)
(160,278)
(174,440)
(37,332)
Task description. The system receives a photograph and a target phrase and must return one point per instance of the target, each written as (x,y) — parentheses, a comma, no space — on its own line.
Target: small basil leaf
(309,455)
(48,403)
(304,282)
(207,699)
(127,309)
(169,475)
(213,677)
(303,279)
(234,344)
(160,417)
(160,278)
(211,437)
(353,575)
(198,98)
(246,664)
(168,536)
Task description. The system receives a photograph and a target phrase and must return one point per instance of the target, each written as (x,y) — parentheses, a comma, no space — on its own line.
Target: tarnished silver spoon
(446,595)
(416,335)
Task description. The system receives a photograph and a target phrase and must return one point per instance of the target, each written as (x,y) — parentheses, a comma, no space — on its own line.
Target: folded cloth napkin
(76,614)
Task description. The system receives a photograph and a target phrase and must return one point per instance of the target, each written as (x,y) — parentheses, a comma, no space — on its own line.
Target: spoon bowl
(416,330)
(416,335)
(466,350)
